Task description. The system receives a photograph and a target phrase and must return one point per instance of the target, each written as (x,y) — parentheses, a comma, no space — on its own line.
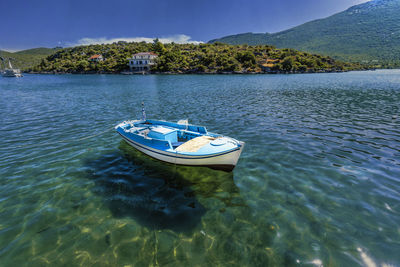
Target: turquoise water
(317,184)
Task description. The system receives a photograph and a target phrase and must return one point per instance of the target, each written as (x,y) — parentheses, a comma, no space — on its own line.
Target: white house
(142,61)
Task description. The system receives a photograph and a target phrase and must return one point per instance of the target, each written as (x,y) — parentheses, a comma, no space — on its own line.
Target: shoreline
(201,73)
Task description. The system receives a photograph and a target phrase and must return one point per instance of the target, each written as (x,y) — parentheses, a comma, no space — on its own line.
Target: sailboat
(11,72)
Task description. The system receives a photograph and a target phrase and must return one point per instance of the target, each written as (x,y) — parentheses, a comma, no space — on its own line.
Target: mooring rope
(59,141)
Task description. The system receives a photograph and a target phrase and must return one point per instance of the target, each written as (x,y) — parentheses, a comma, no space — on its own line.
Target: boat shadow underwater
(156,194)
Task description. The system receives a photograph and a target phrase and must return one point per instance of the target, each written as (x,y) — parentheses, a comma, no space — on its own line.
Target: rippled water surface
(317,184)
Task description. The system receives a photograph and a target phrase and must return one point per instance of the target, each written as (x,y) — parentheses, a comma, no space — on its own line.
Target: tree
(247,56)
(159,47)
(287,63)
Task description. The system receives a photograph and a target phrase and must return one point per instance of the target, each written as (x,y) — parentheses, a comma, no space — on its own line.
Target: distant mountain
(365,32)
(28,58)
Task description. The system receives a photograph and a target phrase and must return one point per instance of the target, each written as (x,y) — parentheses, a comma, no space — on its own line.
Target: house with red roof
(96,58)
(142,61)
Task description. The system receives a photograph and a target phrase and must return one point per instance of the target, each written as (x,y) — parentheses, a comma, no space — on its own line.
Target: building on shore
(142,61)
(96,58)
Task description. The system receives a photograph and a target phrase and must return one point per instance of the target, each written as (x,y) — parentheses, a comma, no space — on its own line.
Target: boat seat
(135,129)
(191,132)
(195,144)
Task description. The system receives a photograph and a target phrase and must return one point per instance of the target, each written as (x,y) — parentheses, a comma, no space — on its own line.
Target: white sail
(11,72)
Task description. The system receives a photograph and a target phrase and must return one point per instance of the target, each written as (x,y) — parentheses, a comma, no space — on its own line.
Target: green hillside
(369,32)
(26,59)
(189,58)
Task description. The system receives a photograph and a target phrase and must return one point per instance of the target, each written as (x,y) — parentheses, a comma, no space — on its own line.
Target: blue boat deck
(169,137)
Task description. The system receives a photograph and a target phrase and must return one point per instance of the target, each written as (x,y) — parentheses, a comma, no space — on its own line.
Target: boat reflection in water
(159,195)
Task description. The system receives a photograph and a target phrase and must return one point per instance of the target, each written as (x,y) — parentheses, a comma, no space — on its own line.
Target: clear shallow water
(317,183)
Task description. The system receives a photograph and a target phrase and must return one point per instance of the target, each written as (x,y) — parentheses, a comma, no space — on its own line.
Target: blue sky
(50,23)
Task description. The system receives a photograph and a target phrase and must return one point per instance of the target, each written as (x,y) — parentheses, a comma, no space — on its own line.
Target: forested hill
(189,58)
(369,32)
(27,58)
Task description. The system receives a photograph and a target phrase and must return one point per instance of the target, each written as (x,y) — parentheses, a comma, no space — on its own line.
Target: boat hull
(225,161)
(11,73)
